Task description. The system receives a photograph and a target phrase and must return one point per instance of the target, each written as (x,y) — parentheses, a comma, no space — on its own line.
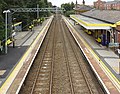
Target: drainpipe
(116,36)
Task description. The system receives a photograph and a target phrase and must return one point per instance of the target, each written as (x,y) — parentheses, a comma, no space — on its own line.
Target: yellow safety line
(21,62)
(17,23)
(118,23)
(8,81)
(88,24)
(90,49)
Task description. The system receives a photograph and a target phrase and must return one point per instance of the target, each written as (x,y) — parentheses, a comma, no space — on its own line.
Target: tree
(46,3)
(72,5)
(26,18)
(49,4)
(68,8)
(2,6)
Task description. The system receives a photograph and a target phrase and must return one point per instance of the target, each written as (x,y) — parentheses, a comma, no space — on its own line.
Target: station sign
(118,51)
(113,44)
(13,34)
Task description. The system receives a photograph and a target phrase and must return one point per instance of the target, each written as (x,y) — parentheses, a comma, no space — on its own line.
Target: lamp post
(37,11)
(6,14)
(13,33)
(13,23)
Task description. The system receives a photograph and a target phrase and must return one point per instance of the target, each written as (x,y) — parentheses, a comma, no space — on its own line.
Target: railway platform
(97,56)
(11,63)
(106,54)
(106,62)
(59,67)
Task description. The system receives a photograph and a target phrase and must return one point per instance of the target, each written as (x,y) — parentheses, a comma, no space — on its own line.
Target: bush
(2,35)
(68,13)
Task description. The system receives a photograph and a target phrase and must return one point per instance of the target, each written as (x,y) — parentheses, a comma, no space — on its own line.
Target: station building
(103,25)
(81,8)
(109,5)
(99,4)
(17,26)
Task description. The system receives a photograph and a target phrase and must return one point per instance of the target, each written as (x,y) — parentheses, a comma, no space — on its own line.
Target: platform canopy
(90,23)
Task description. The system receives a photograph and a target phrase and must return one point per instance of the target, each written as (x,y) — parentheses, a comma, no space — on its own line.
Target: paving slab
(23,41)
(103,71)
(114,63)
(105,54)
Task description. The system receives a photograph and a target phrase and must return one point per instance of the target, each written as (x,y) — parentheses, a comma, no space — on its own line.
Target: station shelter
(17,26)
(103,32)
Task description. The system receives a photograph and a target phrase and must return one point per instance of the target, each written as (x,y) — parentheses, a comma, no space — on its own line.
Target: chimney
(83,2)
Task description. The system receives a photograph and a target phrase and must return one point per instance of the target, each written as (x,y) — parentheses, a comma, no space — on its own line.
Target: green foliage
(68,8)
(68,13)
(2,5)
(72,5)
(26,18)
(49,4)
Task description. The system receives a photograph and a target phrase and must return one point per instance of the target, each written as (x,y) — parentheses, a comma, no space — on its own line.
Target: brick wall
(99,4)
(118,37)
(113,6)
(118,29)
(104,5)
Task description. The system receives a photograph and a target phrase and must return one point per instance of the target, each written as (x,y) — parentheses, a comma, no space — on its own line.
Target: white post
(37,11)
(6,13)
(119,68)
(6,34)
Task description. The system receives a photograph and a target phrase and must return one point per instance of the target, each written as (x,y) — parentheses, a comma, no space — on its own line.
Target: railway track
(59,67)
(82,79)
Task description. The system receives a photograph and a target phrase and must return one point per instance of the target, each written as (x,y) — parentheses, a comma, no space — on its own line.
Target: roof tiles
(111,16)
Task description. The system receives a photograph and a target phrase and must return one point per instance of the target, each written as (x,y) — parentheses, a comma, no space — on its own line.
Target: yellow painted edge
(19,65)
(118,23)
(17,24)
(8,81)
(90,49)
(96,25)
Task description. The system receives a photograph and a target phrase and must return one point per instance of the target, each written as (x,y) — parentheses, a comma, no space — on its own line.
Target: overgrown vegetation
(68,8)
(26,18)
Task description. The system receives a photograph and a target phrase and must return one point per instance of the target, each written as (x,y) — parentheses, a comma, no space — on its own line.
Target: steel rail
(80,66)
(53,58)
(66,57)
(39,68)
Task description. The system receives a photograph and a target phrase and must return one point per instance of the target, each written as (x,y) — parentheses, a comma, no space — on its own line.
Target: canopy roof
(90,23)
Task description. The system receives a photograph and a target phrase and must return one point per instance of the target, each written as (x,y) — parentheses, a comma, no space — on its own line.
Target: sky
(87,2)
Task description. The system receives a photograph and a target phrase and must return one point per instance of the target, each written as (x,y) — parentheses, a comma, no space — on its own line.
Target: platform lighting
(6,14)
